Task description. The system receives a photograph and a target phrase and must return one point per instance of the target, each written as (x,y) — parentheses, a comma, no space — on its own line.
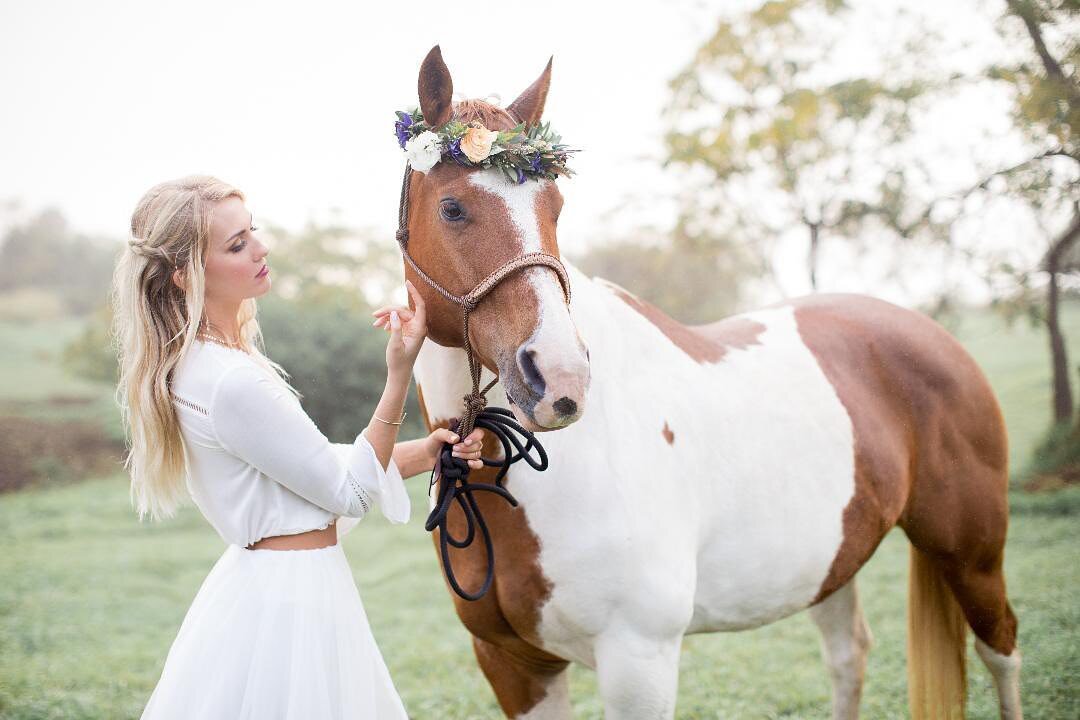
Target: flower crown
(520,153)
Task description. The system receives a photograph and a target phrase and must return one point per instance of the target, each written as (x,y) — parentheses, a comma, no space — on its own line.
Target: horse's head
(465,223)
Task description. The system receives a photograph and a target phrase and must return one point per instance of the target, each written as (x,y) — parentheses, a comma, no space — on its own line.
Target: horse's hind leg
(527,684)
(963,539)
(845,642)
(981,594)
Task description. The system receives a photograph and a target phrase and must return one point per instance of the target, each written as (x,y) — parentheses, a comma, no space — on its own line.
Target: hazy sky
(294,102)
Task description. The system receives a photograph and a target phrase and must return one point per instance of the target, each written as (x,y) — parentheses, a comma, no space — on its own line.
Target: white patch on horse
(553,326)
(735,528)
(1005,669)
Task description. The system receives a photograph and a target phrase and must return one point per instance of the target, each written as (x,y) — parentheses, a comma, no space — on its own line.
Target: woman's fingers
(383,313)
(418,301)
(395,325)
(385,310)
(471,446)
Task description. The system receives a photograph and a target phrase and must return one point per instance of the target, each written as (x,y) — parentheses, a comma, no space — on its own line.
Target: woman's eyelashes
(240,246)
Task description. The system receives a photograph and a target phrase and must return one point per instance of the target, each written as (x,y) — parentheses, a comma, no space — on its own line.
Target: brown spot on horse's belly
(668,435)
(703,343)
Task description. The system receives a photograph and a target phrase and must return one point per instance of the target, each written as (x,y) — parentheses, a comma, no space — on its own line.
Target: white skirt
(276,634)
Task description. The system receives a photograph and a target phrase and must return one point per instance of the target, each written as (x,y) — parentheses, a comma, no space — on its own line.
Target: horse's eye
(451,210)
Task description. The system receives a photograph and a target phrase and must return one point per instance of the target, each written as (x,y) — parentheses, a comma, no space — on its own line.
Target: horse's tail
(937,677)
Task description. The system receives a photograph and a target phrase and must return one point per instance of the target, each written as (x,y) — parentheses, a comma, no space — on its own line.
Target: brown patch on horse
(703,343)
(506,620)
(668,435)
(930,449)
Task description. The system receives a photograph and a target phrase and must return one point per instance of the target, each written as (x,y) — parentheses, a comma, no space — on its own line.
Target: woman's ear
(178,278)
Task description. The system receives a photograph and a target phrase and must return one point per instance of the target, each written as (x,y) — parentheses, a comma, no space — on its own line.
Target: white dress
(273,633)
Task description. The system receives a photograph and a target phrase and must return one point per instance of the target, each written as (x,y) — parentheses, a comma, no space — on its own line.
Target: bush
(1056,459)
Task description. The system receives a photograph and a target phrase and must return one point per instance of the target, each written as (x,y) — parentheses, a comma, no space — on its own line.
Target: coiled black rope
(455,487)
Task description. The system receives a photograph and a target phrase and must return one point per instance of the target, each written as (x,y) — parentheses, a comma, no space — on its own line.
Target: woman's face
(235,260)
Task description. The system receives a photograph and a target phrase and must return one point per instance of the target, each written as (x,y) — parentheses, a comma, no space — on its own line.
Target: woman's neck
(222,320)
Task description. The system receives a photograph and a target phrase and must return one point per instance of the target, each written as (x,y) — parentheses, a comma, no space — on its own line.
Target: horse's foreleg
(638,678)
(530,686)
(845,642)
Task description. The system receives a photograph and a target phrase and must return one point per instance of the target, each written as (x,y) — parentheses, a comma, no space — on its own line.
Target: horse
(705,478)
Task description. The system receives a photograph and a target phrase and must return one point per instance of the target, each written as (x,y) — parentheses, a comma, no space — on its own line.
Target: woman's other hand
(407,328)
(469,449)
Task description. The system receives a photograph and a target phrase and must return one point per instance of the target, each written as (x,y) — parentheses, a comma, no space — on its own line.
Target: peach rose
(476,143)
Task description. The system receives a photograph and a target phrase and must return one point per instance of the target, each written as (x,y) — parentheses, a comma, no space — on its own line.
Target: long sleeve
(259,421)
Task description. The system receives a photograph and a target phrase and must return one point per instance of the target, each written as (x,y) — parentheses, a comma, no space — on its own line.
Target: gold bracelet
(403,414)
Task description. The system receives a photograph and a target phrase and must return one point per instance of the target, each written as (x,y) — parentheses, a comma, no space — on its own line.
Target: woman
(277,629)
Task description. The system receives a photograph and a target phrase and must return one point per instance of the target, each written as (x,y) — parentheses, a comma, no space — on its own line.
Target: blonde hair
(152,331)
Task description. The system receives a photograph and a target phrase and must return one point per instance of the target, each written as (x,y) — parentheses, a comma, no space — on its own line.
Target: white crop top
(258,465)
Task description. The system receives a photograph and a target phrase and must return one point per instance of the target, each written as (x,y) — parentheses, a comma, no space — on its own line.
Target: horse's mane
(490,116)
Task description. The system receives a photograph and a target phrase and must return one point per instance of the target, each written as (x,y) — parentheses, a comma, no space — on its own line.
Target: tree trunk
(1063,399)
(812,259)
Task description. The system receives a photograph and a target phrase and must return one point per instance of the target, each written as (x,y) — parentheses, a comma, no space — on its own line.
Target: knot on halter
(402,235)
(475,401)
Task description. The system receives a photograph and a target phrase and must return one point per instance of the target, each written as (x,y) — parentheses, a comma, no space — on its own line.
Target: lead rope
(454,471)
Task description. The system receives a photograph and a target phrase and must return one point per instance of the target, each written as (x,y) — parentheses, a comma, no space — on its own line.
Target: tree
(691,275)
(786,140)
(44,253)
(1046,105)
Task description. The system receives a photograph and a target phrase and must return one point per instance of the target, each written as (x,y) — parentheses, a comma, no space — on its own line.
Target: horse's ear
(530,104)
(435,88)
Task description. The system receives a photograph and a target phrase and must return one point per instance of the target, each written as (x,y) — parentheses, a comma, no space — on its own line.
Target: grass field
(90,600)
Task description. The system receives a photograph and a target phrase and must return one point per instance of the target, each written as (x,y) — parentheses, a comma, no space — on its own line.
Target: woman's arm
(381,435)
(413,457)
(408,328)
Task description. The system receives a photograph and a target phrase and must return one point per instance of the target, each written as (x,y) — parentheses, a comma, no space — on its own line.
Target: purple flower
(535,163)
(401,128)
(455,151)
(520,175)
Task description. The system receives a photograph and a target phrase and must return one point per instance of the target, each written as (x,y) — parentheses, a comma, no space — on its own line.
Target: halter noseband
(454,471)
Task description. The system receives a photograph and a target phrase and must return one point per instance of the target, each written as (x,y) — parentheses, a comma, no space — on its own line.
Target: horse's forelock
(488,115)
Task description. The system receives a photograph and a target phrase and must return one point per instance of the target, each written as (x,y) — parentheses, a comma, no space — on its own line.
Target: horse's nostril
(565,406)
(532,375)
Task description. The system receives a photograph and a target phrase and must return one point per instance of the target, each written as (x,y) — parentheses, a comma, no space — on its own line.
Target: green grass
(91,601)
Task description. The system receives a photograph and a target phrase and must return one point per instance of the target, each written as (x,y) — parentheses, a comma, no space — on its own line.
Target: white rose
(423,151)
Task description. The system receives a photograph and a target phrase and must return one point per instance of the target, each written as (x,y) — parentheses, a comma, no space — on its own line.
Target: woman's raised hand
(407,328)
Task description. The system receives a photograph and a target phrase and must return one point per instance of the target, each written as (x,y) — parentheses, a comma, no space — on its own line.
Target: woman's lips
(265,269)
